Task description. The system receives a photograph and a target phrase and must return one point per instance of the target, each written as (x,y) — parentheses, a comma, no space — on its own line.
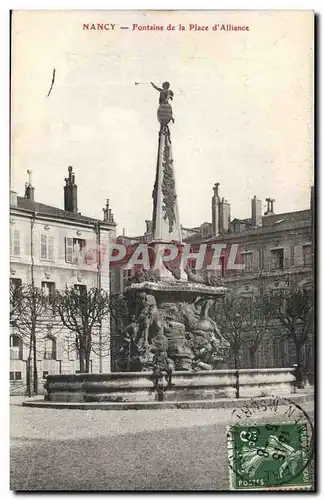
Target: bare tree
(29,309)
(257,319)
(294,310)
(120,317)
(82,312)
(231,317)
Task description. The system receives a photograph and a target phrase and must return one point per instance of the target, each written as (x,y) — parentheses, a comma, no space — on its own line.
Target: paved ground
(119,450)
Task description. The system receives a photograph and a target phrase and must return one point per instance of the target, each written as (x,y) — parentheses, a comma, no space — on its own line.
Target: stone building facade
(46,249)
(277,252)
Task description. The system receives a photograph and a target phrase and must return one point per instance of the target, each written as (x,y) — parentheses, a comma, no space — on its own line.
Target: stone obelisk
(165,220)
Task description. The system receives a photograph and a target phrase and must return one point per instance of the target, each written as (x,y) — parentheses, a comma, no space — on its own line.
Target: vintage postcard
(162,253)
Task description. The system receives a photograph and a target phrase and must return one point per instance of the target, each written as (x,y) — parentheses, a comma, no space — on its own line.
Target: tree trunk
(35,375)
(237,380)
(87,352)
(299,363)
(28,378)
(252,357)
(28,367)
(81,360)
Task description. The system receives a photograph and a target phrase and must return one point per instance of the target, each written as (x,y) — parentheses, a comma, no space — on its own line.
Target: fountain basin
(188,385)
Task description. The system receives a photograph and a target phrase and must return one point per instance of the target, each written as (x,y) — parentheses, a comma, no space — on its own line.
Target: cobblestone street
(119,450)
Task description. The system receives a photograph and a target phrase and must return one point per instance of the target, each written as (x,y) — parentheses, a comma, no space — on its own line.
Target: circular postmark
(270,445)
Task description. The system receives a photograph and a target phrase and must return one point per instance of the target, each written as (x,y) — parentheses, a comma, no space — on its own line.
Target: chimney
(29,189)
(256,212)
(148,225)
(270,202)
(224,210)
(215,210)
(108,215)
(70,193)
(13,198)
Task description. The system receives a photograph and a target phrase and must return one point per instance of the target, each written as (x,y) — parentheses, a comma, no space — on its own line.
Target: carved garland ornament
(168,184)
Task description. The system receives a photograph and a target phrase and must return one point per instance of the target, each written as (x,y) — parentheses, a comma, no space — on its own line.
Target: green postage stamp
(269,456)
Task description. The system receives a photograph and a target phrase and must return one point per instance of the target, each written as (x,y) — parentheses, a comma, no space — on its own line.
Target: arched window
(16,347)
(50,348)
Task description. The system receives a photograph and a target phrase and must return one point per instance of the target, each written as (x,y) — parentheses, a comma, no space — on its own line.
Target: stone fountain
(169,323)
(170,305)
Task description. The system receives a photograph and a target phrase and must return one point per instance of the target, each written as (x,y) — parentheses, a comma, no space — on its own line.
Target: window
(16,347)
(80,288)
(17,375)
(192,265)
(49,288)
(12,375)
(50,348)
(15,243)
(307,255)
(247,261)
(45,374)
(204,231)
(261,258)
(47,247)
(15,282)
(92,257)
(127,276)
(73,250)
(277,258)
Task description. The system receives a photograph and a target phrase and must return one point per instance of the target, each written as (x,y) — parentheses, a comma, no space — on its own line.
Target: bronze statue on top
(164,110)
(166,93)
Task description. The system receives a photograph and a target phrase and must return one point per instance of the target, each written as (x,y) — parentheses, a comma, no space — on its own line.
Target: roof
(262,230)
(278,226)
(42,209)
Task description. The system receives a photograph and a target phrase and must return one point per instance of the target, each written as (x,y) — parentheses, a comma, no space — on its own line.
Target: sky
(243,104)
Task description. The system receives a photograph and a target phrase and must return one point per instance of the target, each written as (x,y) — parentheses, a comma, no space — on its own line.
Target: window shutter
(256,261)
(16,242)
(267,259)
(43,246)
(307,255)
(50,247)
(298,256)
(68,249)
